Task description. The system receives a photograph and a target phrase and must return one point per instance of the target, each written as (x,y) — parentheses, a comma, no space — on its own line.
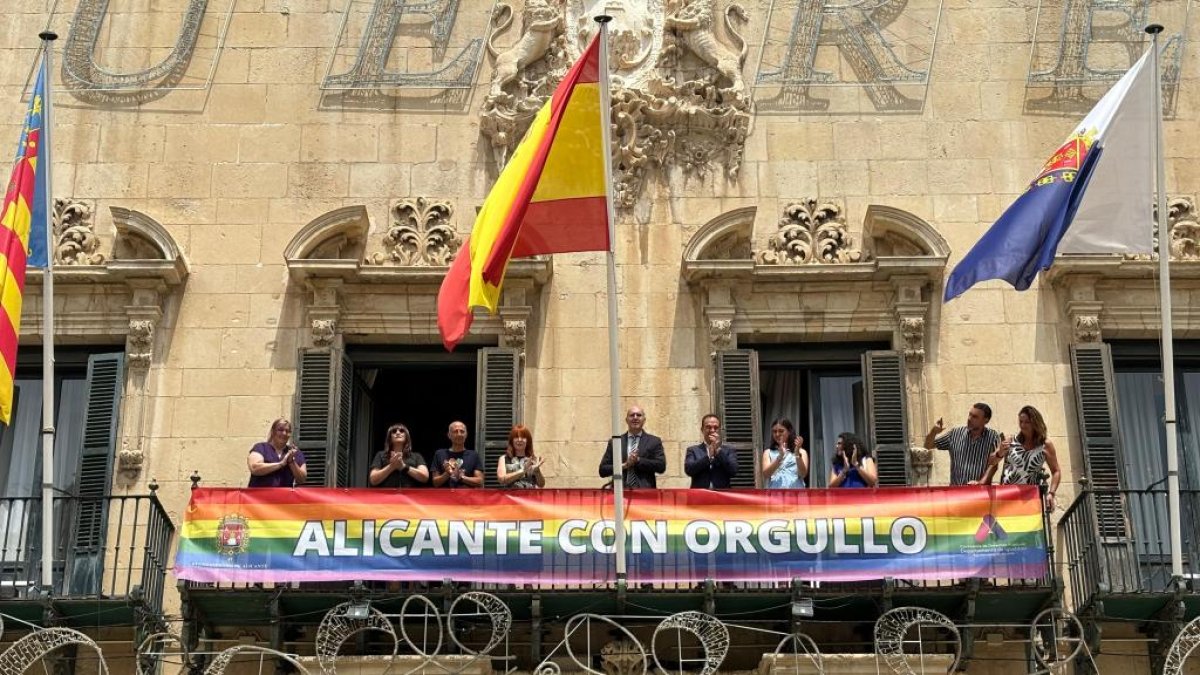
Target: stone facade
(194,197)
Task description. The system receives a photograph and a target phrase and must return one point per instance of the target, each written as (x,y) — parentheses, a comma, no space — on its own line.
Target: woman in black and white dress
(1027,456)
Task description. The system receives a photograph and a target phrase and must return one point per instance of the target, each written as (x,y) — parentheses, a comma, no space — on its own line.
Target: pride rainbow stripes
(566,536)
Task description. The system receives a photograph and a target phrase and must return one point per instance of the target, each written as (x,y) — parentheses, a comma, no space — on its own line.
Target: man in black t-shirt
(458,465)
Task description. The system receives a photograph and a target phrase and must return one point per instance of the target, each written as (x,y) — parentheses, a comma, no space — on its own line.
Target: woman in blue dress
(852,464)
(785,463)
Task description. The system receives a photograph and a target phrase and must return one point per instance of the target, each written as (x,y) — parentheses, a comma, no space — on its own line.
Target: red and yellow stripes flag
(16,218)
(551,197)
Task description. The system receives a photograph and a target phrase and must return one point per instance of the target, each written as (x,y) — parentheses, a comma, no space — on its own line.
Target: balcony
(1118,554)
(839,616)
(109,565)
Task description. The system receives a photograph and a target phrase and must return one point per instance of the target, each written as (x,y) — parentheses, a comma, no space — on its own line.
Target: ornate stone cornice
(1117,297)
(420,234)
(353,293)
(811,231)
(112,295)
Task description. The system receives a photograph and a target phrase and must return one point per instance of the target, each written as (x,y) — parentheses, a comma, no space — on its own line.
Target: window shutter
(498,405)
(105,381)
(322,417)
(740,406)
(887,414)
(1095,402)
(344,422)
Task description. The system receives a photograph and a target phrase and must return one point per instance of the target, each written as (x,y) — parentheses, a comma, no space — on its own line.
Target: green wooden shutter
(887,414)
(344,421)
(739,405)
(105,381)
(322,418)
(498,404)
(1096,409)
(1095,400)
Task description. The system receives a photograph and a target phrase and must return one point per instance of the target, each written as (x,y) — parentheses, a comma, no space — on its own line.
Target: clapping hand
(631,459)
(396,460)
(713,441)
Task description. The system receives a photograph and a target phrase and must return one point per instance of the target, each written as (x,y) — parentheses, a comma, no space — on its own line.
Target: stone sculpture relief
(811,231)
(420,234)
(1185,231)
(678,95)
(75,240)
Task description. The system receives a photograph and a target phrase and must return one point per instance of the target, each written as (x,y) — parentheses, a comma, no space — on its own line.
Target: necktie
(631,479)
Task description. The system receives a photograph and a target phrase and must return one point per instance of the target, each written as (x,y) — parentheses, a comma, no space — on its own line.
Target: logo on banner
(990,530)
(233,535)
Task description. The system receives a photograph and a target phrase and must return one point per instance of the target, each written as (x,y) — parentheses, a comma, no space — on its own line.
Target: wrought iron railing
(1117,542)
(124,556)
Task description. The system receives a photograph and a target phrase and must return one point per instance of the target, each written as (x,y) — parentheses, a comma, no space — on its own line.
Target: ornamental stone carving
(678,95)
(420,234)
(720,334)
(1087,328)
(139,344)
(1185,231)
(912,331)
(323,332)
(516,334)
(921,461)
(811,231)
(75,240)
(130,460)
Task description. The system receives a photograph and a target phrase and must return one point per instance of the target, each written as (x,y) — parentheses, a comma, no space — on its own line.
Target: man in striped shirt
(969,446)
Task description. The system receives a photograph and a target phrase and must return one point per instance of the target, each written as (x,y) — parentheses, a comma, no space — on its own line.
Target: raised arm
(934,431)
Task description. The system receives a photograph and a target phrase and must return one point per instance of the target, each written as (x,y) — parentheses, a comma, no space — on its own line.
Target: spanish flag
(15,223)
(550,198)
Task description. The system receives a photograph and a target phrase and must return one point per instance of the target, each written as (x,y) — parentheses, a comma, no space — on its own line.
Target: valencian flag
(1094,195)
(26,188)
(549,198)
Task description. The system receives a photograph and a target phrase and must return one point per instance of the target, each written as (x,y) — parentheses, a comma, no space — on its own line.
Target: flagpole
(614,367)
(1167,337)
(48,37)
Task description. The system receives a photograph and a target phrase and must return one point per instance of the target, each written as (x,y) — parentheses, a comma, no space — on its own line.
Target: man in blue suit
(711,464)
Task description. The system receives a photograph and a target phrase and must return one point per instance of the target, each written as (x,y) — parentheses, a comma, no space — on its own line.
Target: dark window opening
(820,389)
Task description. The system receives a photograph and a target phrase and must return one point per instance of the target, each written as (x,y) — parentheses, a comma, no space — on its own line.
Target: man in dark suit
(711,464)
(642,453)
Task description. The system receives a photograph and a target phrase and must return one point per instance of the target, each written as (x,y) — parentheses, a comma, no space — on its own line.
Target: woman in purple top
(276,462)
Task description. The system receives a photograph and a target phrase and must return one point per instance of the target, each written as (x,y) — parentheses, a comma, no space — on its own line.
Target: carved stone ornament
(678,95)
(921,461)
(419,234)
(720,334)
(323,332)
(811,232)
(75,240)
(1185,231)
(139,344)
(516,334)
(130,460)
(1087,329)
(912,330)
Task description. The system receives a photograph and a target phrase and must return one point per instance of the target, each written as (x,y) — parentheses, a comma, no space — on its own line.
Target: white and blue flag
(1094,195)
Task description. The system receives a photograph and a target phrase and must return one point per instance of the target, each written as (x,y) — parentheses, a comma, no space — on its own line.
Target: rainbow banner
(566,536)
